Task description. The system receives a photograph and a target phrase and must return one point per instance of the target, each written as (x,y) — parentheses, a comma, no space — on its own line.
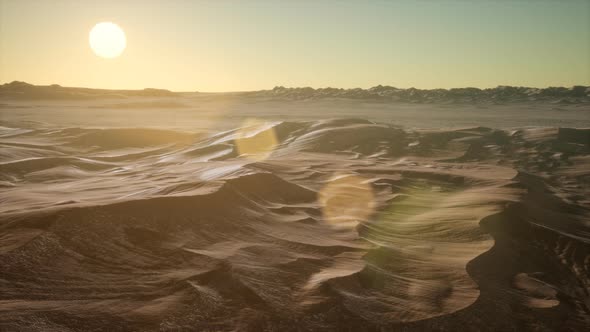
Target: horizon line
(291,87)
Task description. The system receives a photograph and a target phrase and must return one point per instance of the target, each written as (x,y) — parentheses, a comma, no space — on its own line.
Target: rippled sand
(324,225)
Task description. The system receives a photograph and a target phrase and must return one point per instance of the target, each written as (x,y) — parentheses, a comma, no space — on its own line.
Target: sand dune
(327,225)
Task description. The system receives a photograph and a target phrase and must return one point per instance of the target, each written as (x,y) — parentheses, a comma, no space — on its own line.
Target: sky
(252,45)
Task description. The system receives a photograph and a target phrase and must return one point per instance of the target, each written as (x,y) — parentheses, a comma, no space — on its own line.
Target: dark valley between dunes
(294,210)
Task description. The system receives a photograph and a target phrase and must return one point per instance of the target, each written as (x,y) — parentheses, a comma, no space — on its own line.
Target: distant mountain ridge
(500,94)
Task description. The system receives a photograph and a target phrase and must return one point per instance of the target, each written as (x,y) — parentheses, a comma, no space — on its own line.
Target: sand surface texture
(311,225)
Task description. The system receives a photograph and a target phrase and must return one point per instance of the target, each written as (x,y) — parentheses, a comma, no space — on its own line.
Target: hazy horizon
(288,87)
(234,46)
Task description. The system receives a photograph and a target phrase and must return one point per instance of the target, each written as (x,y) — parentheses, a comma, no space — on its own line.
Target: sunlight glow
(107,40)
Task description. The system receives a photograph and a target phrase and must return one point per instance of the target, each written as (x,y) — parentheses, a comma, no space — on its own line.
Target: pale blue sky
(249,45)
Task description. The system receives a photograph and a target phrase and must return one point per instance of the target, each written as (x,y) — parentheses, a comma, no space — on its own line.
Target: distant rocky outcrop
(23,90)
(500,94)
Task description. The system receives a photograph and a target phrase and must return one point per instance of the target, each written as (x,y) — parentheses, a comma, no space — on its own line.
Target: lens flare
(346,200)
(256,140)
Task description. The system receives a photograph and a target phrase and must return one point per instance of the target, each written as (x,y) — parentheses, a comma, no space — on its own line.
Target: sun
(107,40)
